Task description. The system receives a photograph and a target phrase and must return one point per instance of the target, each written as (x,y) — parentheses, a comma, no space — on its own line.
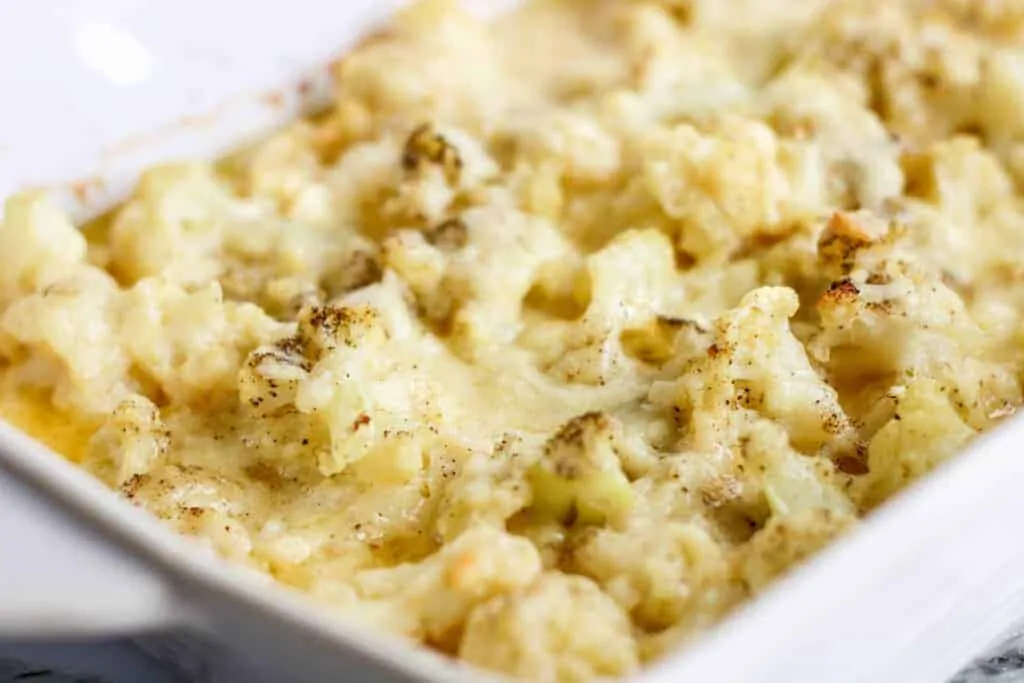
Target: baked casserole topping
(560,335)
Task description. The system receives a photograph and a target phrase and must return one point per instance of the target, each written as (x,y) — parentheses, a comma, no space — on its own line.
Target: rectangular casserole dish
(922,586)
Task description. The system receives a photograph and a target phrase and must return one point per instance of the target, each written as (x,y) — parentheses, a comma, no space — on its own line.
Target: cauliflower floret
(354,388)
(656,44)
(474,272)
(889,333)
(756,363)
(432,599)
(189,227)
(67,338)
(422,265)
(788,540)
(39,245)
(722,186)
(970,227)
(461,158)
(851,239)
(922,64)
(435,63)
(283,167)
(558,629)
(391,301)
(661,572)
(1002,94)
(171,225)
(506,254)
(292,386)
(793,482)
(370,380)
(269,380)
(571,144)
(924,431)
(579,478)
(490,488)
(191,343)
(129,442)
(440,164)
(649,288)
(889,320)
(359,182)
(281,264)
(964,180)
(328,328)
(826,111)
(591,350)
(99,345)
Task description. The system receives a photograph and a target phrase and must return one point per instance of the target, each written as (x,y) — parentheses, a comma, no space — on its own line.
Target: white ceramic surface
(95,89)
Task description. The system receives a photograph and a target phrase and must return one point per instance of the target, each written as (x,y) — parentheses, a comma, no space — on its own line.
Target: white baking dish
(100,88)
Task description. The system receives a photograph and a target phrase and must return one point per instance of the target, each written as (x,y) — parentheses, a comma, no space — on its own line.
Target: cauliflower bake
(561,334)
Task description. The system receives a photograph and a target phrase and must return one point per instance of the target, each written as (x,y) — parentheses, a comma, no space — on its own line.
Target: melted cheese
(559,336)
(33,413)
